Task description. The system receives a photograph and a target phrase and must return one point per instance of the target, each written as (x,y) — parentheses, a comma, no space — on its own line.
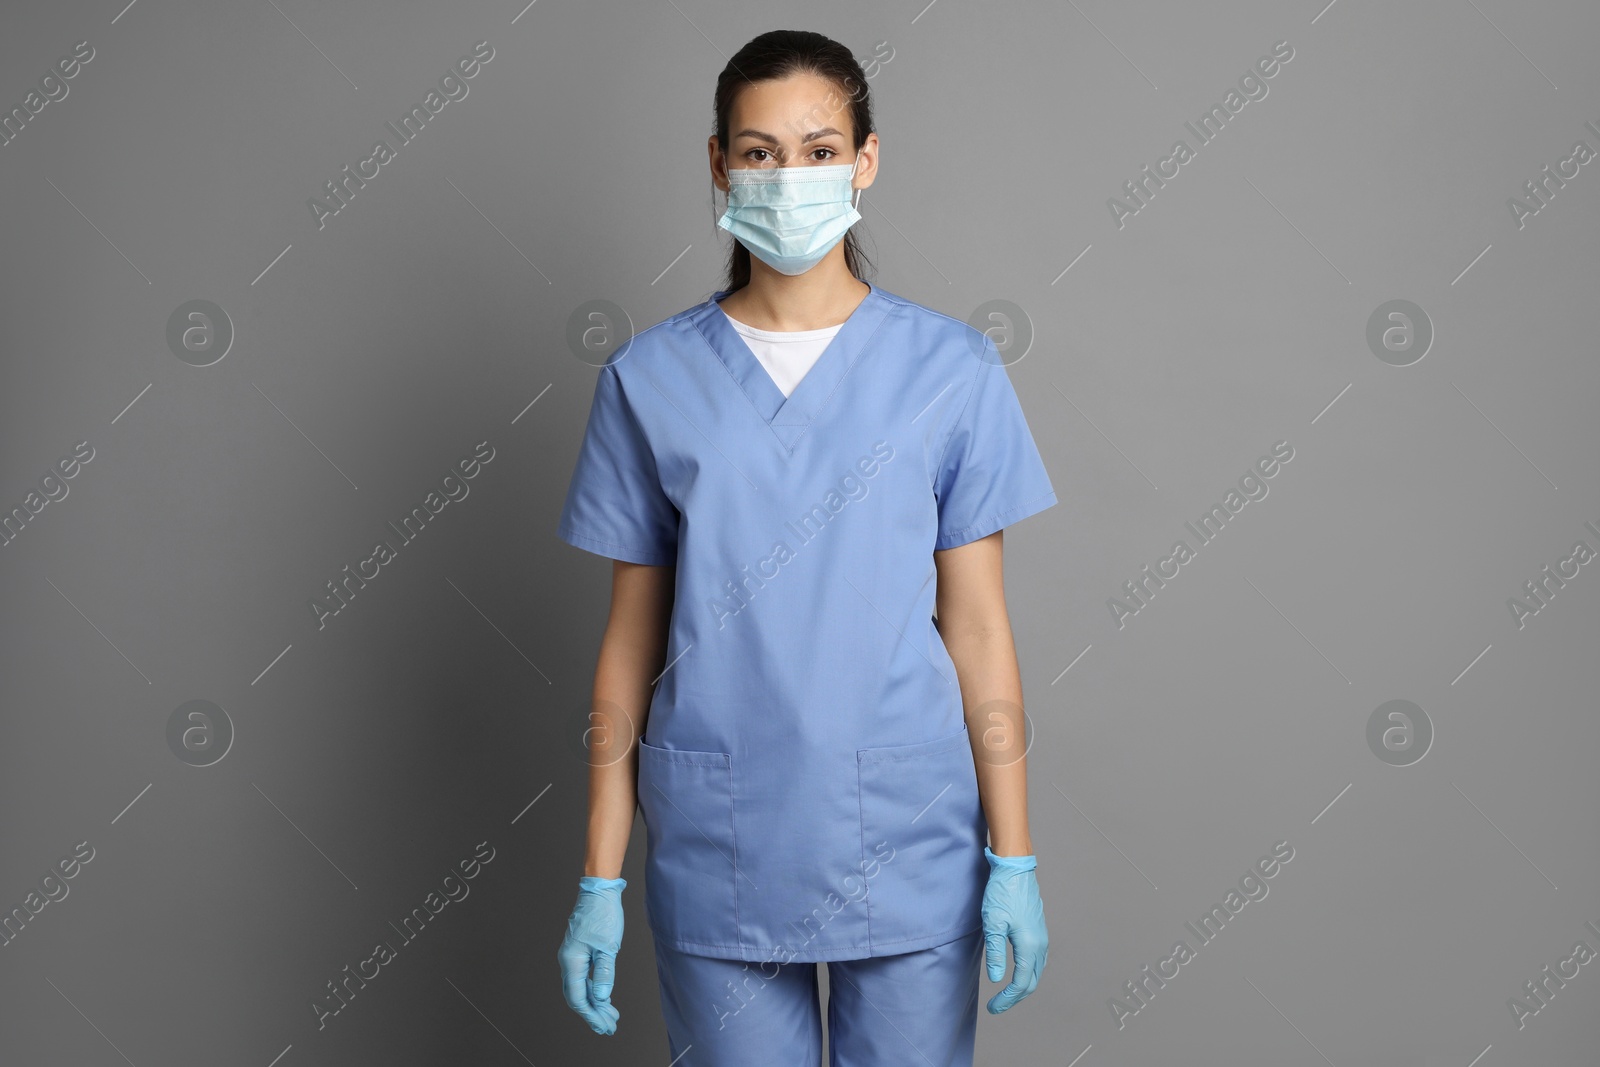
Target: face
(798,121)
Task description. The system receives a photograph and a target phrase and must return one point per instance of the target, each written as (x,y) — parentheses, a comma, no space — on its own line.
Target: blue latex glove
(1013,911)
(594,934)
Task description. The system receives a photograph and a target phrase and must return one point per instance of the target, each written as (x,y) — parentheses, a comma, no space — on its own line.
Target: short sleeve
(615,505)
(991,474)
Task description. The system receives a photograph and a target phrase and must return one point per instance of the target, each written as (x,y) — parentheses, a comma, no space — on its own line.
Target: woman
(793,477)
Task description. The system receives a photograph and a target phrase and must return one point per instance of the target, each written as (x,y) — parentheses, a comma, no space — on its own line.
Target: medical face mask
(789,217)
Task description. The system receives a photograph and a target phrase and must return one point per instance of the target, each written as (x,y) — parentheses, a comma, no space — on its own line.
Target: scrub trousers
(919,1009)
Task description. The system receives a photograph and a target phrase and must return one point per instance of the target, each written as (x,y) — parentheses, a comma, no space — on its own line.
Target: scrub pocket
(922,824)
(687,801)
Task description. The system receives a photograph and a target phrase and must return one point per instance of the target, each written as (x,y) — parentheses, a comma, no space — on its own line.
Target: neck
(823,296)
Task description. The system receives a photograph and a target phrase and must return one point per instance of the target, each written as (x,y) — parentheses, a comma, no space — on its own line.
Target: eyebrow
(812,136)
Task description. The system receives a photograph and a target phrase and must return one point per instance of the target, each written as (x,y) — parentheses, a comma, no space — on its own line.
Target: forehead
(789,108)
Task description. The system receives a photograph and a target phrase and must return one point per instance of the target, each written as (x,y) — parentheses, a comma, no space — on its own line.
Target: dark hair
(778,54)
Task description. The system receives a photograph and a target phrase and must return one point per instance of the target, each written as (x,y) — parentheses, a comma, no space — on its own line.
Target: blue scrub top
(805,776)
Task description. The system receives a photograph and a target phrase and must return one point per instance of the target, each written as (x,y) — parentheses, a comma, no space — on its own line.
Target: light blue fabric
(594,936)
(1012,911)
(790,217)
(805,775)
(914,1009)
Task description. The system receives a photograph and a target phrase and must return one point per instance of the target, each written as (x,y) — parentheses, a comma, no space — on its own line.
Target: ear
(717,162)
(867,172)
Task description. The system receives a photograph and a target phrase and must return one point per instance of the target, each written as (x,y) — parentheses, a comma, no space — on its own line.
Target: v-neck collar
(789,417)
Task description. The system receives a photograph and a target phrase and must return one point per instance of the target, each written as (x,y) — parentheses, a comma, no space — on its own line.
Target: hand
(1013,911)
(594,934)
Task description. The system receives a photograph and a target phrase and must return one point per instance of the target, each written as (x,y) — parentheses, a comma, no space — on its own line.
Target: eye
(830,155)
(753,151)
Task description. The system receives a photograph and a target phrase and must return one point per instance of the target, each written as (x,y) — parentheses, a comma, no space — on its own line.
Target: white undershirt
(786,354)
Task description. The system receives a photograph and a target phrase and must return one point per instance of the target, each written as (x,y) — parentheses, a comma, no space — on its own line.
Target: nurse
(807,683)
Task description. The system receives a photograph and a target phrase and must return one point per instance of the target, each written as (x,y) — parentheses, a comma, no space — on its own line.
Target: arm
(972,621)
(971,607)
(632,654)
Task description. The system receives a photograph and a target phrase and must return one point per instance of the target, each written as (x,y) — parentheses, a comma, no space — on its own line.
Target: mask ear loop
(856,204)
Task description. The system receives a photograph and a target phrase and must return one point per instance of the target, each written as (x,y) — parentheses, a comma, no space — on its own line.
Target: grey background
(442,707)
